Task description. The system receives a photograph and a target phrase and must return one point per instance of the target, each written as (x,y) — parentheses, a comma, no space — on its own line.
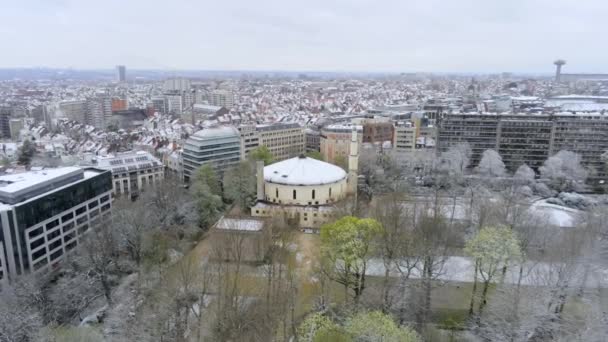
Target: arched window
(294,194)
(313,193)
(329,192)
(276,191)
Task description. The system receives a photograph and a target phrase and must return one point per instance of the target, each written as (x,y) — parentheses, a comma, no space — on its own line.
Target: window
(294,194)
(329,192)
(38,254)
(35,232)
(67,217)
(313,194)
(277,192)
(37,243)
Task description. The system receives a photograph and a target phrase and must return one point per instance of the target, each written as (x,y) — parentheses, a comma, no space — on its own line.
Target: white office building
(132,171)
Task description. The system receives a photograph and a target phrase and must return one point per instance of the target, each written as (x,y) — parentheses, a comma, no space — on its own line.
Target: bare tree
(565,171)
(491,164)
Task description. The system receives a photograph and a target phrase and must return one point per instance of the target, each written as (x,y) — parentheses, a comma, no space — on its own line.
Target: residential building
(177,84)
(98,111)
(529,138)
(219,147)
(174,104)
(74,110)
(45,214)
(119,104)
(377,130)
(5,119)
(283,140)
(405,137)
(15,126)
(132,171)
(335,142)
(222,98)
(159,103)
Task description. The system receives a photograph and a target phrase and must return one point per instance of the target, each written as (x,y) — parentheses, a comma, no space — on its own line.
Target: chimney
(259,165)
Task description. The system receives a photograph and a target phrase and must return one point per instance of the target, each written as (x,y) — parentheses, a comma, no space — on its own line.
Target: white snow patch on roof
(303,171)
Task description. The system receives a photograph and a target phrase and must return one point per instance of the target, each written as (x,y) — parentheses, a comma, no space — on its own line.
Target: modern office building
(283,140)
(335,142)
(529,138)
(219,147)
(45,214)
(222,98)
(177,84)
(121,73)
(132,171)
(313,140)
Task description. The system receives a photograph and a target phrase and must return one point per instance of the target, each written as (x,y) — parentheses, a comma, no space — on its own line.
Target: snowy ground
(461,269)
(556,215)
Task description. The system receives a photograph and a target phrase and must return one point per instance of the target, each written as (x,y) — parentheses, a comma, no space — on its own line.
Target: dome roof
(216,132)
(303,171)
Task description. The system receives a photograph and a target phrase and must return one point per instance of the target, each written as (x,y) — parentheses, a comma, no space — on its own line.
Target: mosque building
(305,188)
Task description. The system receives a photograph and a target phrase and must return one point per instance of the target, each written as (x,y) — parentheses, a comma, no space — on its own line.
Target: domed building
(305,187)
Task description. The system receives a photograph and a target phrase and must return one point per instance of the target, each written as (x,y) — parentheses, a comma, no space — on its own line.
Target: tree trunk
(385,288)
(107,289)
(472,306)
(515,318)
(484,300)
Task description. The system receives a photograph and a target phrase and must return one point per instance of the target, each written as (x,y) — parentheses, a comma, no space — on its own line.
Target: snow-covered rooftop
(20,187)
(303,171)
(249,225)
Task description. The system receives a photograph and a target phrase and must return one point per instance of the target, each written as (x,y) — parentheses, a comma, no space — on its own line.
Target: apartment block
(529,138)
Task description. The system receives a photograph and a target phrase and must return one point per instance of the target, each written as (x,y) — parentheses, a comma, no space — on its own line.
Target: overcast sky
(322,35)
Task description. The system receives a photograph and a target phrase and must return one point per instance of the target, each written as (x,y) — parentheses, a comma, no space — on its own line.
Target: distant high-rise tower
(121,71)
(558,69)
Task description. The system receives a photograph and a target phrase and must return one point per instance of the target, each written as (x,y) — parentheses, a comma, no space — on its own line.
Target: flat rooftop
(15,188)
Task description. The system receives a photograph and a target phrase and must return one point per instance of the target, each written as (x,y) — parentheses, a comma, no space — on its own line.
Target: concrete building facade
(249,140)
(283,140)
(222,98)
(335,142)
(529,138)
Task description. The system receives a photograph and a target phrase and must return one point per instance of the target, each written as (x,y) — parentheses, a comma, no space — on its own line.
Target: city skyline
(337,36)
